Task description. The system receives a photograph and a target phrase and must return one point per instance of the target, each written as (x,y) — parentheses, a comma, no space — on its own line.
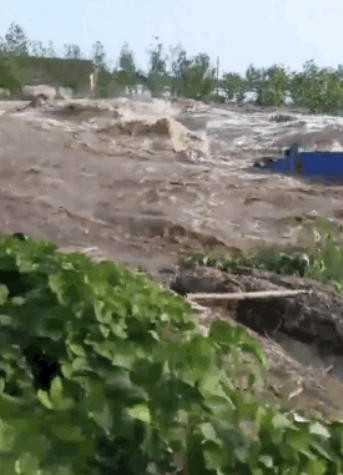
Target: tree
(126,61)
(274,86)
(13,75)
(2,46)
(253,77)
(199,78)
(318,89)
(99,54)
(158,62)
(270,84)
(158,77)
(126,75)
(234,86)
(192,77)
(72,51)
(310,69)
(179,68)
(51,50)
(104,77)
(37,49)
(16,41)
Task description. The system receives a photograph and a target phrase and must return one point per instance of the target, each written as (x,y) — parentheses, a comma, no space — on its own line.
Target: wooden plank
(266,294)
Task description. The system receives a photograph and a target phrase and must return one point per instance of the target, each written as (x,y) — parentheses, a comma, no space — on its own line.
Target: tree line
(314,88)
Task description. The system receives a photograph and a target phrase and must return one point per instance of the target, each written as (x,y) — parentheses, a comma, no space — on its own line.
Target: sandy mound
(181,139)
(118,125)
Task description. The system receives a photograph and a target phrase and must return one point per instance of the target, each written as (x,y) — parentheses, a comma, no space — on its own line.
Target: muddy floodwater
(143,180)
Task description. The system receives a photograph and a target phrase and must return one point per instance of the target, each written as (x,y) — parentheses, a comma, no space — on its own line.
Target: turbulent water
(177,174)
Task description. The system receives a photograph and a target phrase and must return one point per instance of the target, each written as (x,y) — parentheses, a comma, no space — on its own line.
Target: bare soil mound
(302,335)
(314,319)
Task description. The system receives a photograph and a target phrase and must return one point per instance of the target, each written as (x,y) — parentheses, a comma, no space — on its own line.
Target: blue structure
(322,165)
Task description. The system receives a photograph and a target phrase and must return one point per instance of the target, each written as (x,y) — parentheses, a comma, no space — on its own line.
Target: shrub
(234,86)
(102,372)
(323,260)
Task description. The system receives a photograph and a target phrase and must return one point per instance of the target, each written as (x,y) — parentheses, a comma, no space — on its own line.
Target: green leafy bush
(102,372)
(318,89)
(322,261)
(275,88)
(234,86)
(265,259)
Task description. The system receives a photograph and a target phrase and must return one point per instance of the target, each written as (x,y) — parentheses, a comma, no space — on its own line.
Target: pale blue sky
(262,32)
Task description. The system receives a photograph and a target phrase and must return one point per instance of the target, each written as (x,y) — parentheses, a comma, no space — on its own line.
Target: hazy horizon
(265,33)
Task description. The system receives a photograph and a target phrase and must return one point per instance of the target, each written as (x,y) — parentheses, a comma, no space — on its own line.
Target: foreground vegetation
(322,261)
(315,89)
(102,372)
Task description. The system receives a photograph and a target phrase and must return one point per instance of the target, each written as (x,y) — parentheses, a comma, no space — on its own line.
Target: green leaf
(102,314)
(27,464)
(78,350)
(44,399)
(95,394)
(280,421)
(222,332)
(52,328)
(315,467)
(266,460)
(57,397)
(321,450)
(119,329)
(140,412)
(152,469)
(154,334)
(107,349)
(64,430)
(124,360)
(67,370)
(300,441)
(3,294)
(7,436)
(209,433)
(103,417)
(319,429)
(215,457)
(144,372)
(56,390)
(6,321)
(78,364)
(254,349)
(7,466)
(213,389)
(105,330)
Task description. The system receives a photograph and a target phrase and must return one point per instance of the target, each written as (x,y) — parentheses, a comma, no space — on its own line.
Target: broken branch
(248,295)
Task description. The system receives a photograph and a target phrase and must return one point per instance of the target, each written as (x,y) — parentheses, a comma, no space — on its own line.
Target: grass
(319,257)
